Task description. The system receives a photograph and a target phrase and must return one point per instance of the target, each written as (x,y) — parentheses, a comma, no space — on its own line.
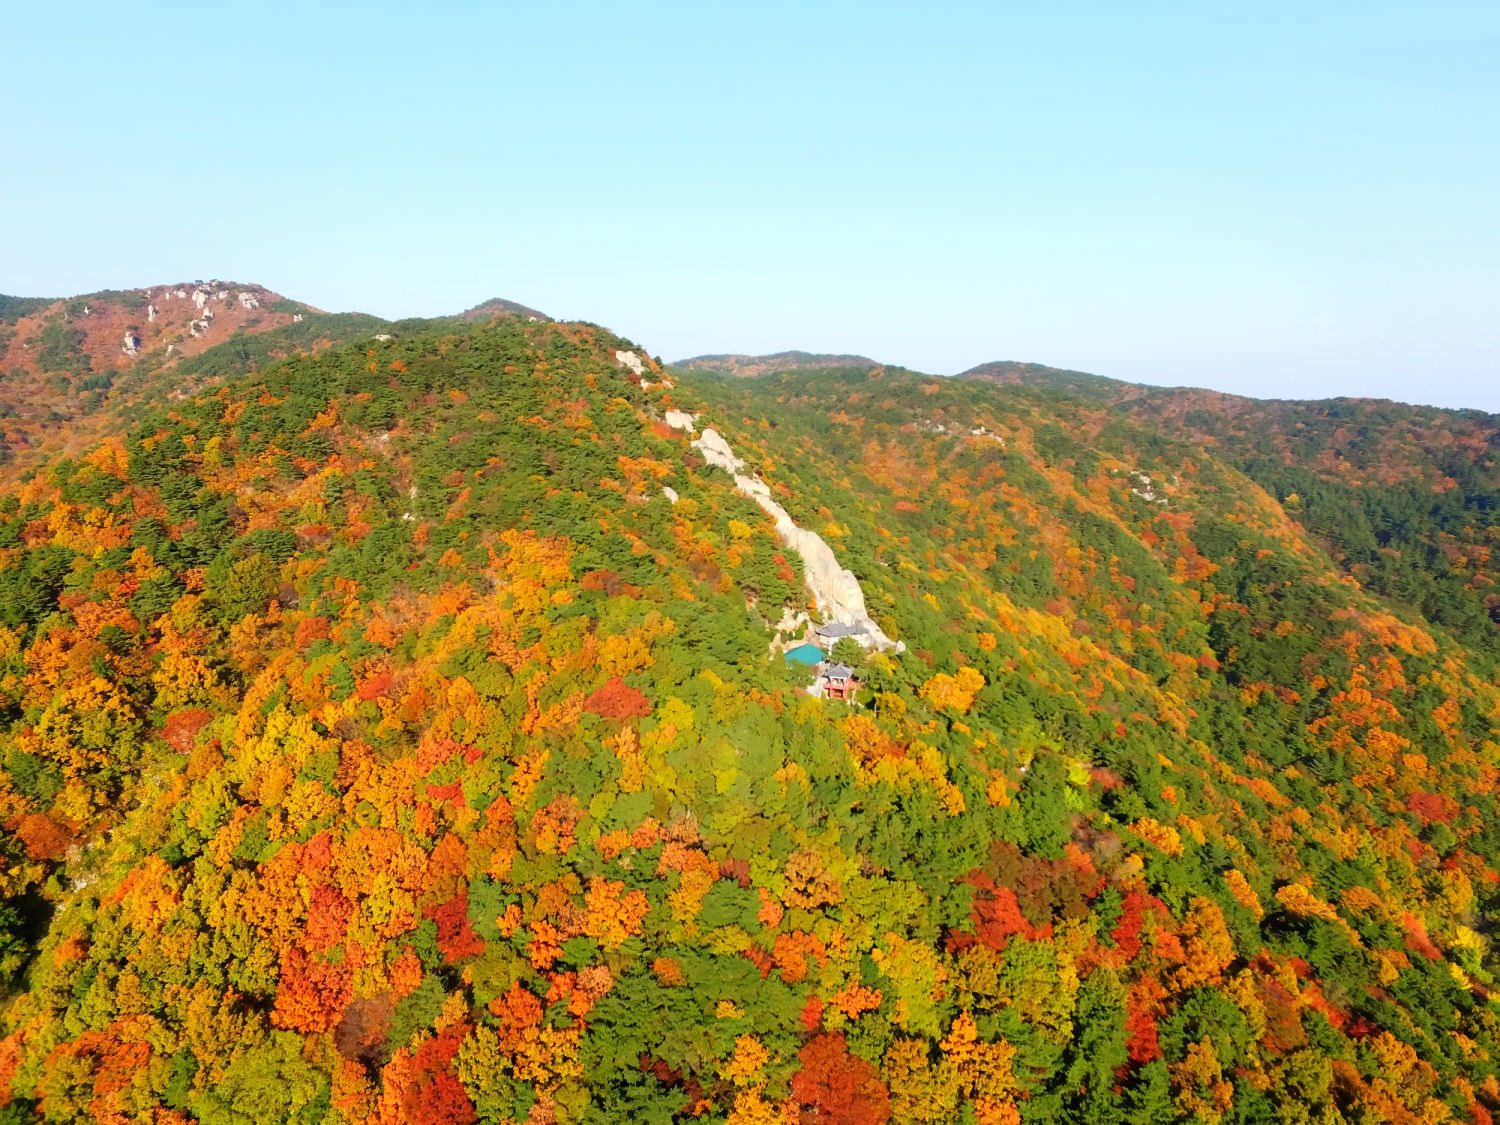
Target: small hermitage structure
(836,681)
(832,679)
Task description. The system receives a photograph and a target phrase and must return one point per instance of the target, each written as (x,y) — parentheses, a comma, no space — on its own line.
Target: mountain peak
(499,306)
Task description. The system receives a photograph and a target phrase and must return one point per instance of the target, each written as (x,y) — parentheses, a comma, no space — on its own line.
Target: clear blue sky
(1278,199)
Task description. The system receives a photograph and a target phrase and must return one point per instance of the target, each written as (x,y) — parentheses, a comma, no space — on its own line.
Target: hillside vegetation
(1403,497)
(75,370)
(383,743)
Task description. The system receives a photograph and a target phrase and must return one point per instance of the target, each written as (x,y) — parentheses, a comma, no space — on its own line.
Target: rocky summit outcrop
(111,331)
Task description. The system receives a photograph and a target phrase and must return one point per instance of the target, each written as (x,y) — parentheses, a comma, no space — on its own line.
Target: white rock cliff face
(630,360)
(835,590)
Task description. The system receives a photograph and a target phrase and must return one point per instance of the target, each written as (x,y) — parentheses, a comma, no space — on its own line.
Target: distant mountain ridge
(1013,373)
(1005,372)
(749,366)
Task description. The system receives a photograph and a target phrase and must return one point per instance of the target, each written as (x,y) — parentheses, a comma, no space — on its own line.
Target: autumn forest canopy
(394,728)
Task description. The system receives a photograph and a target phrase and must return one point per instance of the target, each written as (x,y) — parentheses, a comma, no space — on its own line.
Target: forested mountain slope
(63,360)
(71,370)
(1404,497)
(382,742)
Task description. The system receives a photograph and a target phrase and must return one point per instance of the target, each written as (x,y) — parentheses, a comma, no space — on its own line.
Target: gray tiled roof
(838,671)
(837,629)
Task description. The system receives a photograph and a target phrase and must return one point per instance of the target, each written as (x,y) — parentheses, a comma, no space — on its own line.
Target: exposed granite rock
(835,589)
